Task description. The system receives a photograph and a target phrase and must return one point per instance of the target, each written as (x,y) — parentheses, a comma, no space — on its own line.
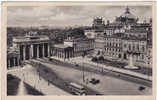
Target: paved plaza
(30,76)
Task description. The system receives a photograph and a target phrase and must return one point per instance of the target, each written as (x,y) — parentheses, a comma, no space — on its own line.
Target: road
(97,70)
(114,85)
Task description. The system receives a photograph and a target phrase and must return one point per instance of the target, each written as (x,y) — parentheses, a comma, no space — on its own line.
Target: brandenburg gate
(32,46)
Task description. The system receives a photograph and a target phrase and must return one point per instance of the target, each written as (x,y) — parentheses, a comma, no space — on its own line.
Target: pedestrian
(48,82)
(118,75)
(87,81)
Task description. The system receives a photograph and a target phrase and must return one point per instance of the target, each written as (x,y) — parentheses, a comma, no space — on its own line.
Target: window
(137,46)
(142,56)
(143,48)
(129,46)
(124,45)
(133,47)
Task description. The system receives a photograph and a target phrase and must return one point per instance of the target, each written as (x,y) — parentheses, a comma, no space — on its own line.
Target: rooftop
(117,35)
(30,38)
(134,38)
(61,46)
(71,39)
(137,30)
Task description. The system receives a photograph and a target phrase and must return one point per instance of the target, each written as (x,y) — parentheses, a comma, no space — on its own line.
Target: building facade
(73,47)
(124,37)
(13,57)
(31,46)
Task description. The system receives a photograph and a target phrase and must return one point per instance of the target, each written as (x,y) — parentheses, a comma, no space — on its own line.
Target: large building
(28,47)
(73,47)
(124,37)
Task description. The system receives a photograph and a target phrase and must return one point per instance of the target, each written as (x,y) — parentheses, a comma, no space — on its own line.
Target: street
(108,85)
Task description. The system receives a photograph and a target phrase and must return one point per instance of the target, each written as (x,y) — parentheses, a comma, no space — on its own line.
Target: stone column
(65,53)
(18,61)
(43,50)
(32,51)
(14,59)
(8,62)
(57,53)
(48,49)
(62,53)
(24,52)
(37,50)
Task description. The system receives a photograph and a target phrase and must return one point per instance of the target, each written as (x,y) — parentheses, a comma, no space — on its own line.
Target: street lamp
(84,54)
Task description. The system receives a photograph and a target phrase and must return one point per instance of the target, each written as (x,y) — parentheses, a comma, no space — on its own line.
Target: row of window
(112,49)
(135,47)
(138,35)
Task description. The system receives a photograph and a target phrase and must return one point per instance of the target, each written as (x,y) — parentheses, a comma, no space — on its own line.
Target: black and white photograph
(79,50)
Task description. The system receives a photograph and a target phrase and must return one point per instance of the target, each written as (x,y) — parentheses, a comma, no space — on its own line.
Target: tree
(84,54)
(94,59)
(101,58)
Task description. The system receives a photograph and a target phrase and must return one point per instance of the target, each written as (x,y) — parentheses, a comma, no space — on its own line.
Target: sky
(70,15)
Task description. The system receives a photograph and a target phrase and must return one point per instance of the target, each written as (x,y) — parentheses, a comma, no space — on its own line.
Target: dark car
(77,65)
(99,94)
(94,81)
(141,88)
(50,59)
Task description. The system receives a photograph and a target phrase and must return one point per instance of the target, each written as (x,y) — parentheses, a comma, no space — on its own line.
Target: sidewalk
(79,60)
(30,76)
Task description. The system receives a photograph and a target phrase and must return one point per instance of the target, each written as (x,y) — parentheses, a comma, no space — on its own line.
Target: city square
(103,58)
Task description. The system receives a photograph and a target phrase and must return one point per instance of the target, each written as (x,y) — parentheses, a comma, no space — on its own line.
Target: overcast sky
(70,15)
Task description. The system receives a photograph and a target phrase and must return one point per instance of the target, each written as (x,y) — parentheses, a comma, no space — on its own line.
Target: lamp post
(84,54)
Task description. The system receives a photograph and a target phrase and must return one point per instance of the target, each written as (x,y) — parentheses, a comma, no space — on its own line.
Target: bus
(77,89)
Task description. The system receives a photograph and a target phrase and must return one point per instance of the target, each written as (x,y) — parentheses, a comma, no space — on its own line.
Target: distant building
(62,51)
(98,24)
(90,33)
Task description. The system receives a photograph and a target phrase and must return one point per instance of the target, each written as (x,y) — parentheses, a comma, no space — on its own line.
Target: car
(99,94)
(94,81)
(141,88)
(50,59)
(77,65)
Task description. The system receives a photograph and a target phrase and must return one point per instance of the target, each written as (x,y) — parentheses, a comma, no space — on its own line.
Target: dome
(127,14)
